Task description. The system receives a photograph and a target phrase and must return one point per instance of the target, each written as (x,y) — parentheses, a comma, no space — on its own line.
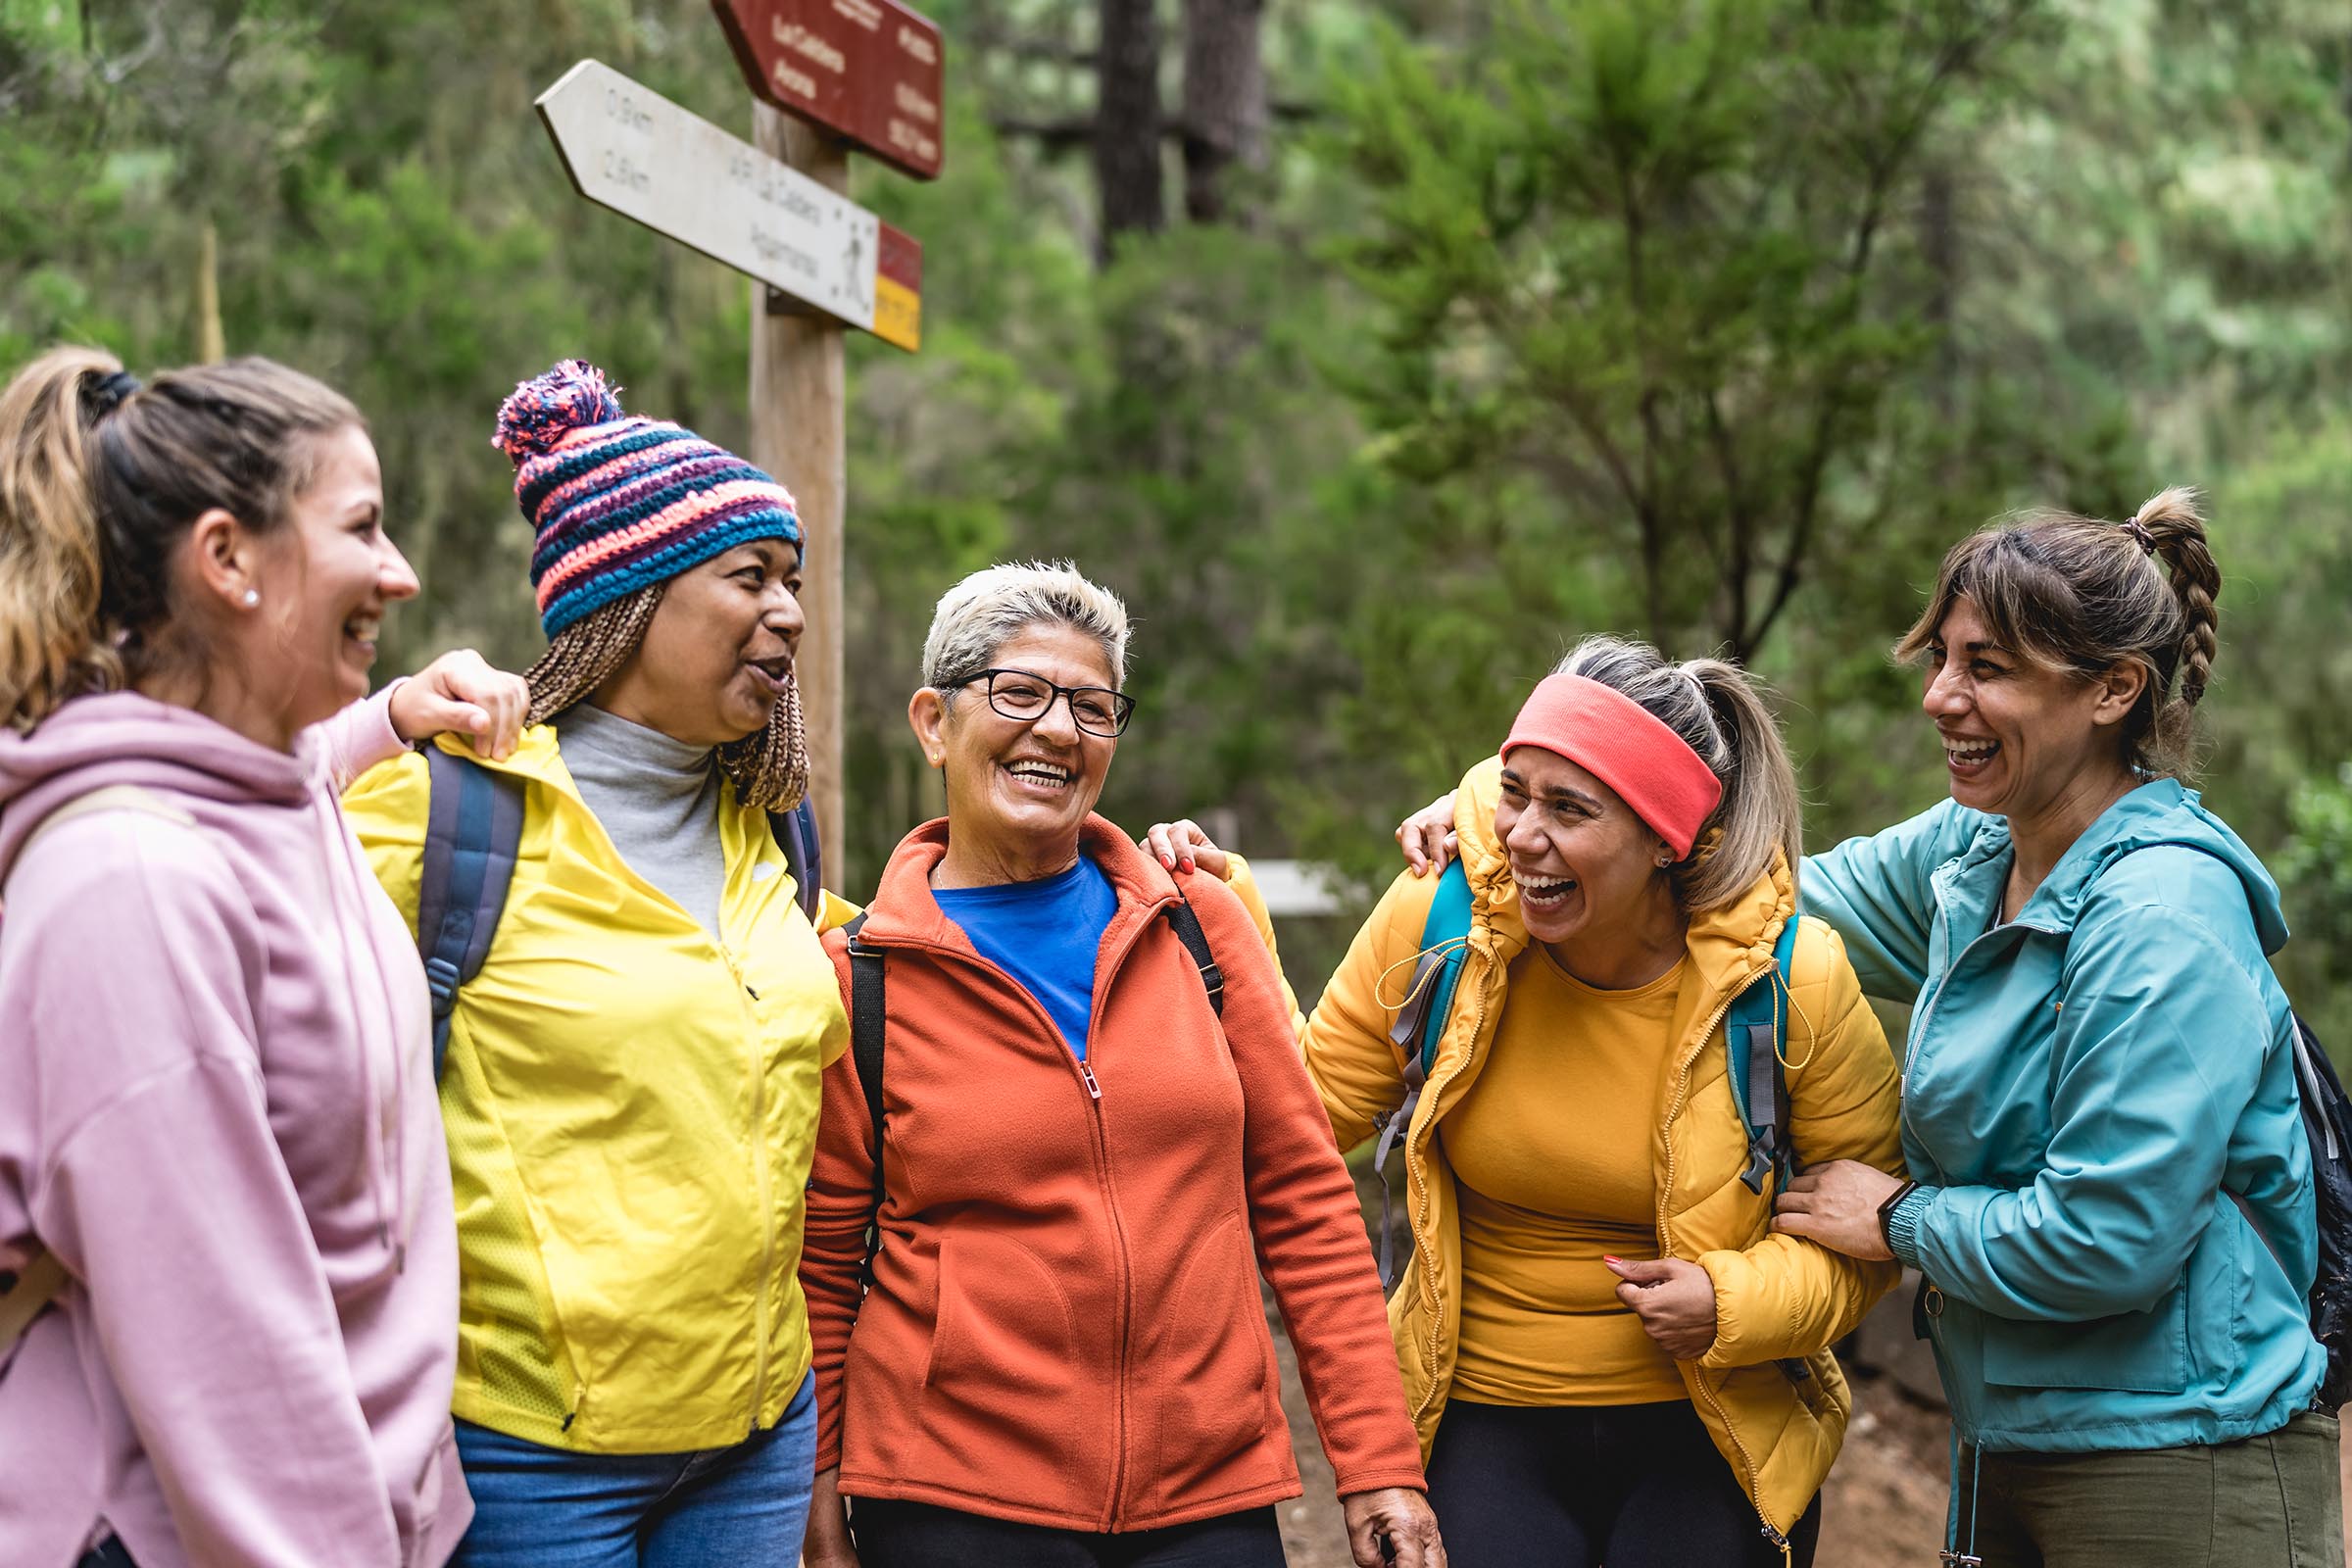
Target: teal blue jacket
(2116,1208)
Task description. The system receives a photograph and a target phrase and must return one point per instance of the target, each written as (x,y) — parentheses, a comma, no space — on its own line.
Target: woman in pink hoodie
(223,1201)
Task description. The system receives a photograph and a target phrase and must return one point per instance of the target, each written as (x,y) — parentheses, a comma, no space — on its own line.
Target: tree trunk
(212,344)
(1127,124)
(1224,101)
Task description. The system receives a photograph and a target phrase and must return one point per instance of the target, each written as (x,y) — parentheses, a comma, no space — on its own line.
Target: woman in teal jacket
(2112,1196)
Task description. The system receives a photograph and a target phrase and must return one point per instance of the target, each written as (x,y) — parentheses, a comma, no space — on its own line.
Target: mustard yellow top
(1551,1150)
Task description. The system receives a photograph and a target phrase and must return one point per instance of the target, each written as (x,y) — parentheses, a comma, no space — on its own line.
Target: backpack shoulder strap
(866,1003)
(1756,1037)
(473,827)
(1188,930)
(804,856)
(1421,1023)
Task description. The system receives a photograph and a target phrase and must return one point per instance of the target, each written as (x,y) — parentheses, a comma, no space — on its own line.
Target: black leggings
(917,1534)
(1632,1486)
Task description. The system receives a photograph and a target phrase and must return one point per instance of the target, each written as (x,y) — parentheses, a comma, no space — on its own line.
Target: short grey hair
(988,608)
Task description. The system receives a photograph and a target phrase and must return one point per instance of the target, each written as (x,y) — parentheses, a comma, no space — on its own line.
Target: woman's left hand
(460,691)
(1399,1517)
(1674,1300)
(1181,845)
(1838,1206)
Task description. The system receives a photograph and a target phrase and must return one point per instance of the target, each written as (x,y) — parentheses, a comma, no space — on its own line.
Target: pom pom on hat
(547,408)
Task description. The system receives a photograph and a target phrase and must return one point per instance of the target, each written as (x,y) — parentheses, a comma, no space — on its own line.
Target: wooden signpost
(864,74)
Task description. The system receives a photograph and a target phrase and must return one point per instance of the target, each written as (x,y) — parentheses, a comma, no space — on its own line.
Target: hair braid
(2173,522)
(584,654)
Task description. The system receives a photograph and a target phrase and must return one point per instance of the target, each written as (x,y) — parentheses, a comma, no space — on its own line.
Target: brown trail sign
(870,71)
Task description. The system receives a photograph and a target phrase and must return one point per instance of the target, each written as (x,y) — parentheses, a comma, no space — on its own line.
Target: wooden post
(800,434)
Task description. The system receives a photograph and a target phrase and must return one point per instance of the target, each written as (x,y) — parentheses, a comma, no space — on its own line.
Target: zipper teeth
(767,1218)
(1431,1093)
(1102,1145)
(1674,1109)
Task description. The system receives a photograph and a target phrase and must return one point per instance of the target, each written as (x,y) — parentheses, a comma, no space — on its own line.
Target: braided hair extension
(769,768)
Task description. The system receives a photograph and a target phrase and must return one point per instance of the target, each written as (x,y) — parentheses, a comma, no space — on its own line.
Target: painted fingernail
(1188,865)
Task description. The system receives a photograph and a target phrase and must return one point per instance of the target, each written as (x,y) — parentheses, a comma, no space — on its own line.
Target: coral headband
(1626,747)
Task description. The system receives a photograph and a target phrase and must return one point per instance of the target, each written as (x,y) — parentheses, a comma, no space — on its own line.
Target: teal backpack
(1756,1030)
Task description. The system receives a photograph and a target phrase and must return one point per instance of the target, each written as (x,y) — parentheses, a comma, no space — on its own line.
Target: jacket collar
(2158,812)
(904,910)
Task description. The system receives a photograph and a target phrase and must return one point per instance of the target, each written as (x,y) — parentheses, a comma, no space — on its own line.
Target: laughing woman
(631,1085)
(1611,1359)
(2111,1192)
(1089,1145)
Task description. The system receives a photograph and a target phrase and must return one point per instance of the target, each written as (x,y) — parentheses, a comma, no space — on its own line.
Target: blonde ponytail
(52,643)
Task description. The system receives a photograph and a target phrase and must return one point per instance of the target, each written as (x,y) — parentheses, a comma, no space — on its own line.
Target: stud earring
(253,596)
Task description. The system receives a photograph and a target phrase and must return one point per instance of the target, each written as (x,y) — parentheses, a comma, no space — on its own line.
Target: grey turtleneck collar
(658,797)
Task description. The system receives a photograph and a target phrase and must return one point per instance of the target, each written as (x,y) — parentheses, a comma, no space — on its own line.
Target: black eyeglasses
(1017,694)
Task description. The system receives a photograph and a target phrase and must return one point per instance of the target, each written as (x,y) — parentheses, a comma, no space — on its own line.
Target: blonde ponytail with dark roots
(52,645)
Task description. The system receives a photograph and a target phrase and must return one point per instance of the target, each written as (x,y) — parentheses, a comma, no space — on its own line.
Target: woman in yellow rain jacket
(631,1080)
(1608,1355)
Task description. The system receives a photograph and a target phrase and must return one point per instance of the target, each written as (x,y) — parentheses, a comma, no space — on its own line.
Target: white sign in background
(632,150)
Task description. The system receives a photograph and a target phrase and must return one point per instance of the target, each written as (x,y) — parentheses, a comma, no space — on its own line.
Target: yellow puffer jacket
(1777,1300)
(632,1108)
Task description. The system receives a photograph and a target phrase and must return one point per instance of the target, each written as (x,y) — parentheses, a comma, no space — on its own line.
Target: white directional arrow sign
(632,150)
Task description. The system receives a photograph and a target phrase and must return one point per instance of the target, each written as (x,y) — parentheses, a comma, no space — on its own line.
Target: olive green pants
(2273,1501)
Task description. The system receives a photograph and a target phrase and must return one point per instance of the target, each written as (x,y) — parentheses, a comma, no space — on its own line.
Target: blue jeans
(542,1507)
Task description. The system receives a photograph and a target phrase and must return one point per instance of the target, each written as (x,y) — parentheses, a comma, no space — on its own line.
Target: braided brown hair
(2075,594)
(769,768)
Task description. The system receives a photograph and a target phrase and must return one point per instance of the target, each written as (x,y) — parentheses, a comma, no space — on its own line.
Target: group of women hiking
(699,1218)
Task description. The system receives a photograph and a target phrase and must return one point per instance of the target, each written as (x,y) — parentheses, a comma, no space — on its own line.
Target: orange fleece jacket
(1065,1325)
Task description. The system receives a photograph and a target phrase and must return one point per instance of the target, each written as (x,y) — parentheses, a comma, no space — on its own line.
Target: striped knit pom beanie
(621,502)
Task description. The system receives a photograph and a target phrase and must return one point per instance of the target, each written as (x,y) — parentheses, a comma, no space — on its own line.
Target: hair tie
(2138,531)
(112,391)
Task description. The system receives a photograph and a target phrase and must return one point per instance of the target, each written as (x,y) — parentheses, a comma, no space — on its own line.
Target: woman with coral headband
(1609,1356)
(631,1082)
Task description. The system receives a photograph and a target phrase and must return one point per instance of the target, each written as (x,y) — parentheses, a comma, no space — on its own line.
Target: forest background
(1373,349)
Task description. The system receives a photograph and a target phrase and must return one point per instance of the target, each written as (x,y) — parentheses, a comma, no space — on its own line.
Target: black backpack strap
(1196,941)
(804,856)
(474,825)
(865,1049)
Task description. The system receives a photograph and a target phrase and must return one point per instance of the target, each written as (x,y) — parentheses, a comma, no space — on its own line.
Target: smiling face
(2019,739)
(1581,859)
(1018,791)
(323,581)
(718,651)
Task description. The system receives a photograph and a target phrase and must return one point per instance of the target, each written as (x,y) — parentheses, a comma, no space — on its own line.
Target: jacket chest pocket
(2138,1352)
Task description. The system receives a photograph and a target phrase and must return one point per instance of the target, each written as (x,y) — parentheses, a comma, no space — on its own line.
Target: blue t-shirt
(1044,935)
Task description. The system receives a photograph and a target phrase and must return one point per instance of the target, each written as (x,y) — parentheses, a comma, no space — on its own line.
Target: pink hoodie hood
(217,1108)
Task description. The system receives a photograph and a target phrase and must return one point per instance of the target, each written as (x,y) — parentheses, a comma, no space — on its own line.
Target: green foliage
(1715,320)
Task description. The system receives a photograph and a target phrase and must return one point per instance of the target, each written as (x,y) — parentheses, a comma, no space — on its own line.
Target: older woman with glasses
(1076,1124)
